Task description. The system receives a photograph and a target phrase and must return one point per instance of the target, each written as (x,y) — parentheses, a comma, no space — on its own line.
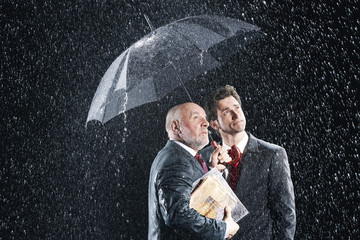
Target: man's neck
(233,139)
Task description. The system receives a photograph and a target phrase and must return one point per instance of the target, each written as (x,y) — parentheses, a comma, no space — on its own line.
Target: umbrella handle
(214,144)
(234,153)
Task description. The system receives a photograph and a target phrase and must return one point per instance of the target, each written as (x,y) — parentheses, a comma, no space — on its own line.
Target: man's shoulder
(267,144)
(172,154)
(170,150)
(259,145)
(262,144)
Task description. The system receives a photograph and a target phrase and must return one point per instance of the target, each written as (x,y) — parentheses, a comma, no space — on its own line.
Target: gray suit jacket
(171,177)
(266,190)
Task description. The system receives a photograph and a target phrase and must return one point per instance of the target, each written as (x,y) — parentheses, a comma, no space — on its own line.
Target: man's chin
(238,128)
(202,144)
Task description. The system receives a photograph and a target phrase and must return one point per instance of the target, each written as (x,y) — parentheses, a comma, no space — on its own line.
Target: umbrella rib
(187,38)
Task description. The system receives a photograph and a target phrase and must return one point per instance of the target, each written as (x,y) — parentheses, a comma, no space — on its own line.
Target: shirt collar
(241,145)
(187,148)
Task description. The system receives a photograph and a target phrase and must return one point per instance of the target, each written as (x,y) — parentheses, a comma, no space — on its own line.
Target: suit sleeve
(282,199)
(174,188)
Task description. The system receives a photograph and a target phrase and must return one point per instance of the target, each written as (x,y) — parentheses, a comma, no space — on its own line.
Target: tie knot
(199,157)
(235,154)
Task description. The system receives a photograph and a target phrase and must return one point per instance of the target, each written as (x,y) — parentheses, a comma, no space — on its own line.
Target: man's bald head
(187,123)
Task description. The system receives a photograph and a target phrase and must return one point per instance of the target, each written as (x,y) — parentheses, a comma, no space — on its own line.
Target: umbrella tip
(148,22)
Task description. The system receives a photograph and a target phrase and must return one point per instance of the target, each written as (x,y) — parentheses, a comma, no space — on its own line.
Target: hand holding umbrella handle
(234,153)
(214,144)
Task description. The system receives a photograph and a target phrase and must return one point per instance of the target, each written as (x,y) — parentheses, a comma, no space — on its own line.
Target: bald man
(172,174)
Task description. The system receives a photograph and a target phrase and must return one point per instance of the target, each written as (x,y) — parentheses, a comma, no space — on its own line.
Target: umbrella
(165,59)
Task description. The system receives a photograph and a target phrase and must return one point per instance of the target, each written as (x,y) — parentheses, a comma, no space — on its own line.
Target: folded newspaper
(212,194)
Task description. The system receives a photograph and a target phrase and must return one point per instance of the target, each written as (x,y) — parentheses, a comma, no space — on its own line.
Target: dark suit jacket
(172,174)
(266,190)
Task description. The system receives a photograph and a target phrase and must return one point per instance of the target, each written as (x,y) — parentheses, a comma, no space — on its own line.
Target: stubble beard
(233,130)
(195,142)
(199,142)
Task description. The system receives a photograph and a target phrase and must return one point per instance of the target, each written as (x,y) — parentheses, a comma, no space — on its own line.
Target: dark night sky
(60,180)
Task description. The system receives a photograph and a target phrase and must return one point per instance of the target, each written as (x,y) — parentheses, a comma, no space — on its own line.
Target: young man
(172,174)
(261,179)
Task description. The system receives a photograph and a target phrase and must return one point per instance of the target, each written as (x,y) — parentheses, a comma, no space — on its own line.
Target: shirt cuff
(226,232)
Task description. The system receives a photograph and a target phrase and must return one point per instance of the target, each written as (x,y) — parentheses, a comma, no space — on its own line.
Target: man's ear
(175,127)
(214,124)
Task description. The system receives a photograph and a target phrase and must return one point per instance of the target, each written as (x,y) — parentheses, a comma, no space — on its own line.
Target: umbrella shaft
(182,83)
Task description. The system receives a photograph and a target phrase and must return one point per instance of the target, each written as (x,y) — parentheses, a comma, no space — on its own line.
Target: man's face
(230,116)
(194,126)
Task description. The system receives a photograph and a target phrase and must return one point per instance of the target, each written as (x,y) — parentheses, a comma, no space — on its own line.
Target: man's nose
(205,122)
(235,115)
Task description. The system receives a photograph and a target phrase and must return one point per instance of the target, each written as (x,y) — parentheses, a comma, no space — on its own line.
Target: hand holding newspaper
(212,194)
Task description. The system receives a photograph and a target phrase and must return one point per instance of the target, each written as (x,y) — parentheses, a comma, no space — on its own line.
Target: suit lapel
(250,159)
(252,145)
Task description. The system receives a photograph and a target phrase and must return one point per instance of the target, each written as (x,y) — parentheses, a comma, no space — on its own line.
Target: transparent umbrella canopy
(165,59)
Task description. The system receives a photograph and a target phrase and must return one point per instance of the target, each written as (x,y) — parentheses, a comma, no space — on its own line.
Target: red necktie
(234,172)
(201,161)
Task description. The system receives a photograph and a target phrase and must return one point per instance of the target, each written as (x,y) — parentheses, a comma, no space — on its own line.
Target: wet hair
(219,94)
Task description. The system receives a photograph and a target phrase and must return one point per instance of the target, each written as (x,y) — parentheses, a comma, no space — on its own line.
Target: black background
(62,180)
